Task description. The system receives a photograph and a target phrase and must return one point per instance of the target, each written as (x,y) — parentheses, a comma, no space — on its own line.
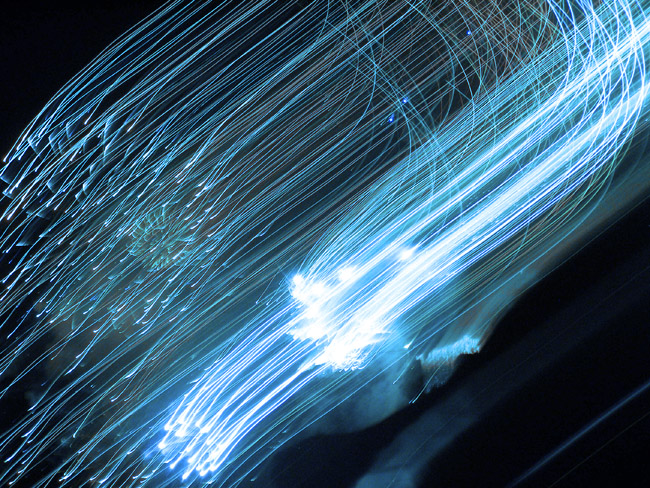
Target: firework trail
(236,219)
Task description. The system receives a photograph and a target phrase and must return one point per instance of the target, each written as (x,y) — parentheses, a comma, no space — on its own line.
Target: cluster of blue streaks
(216,236)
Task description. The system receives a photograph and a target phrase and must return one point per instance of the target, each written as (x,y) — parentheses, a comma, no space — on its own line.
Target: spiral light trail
(236,218)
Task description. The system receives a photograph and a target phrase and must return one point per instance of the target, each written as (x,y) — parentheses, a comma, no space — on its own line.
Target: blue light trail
(234,220)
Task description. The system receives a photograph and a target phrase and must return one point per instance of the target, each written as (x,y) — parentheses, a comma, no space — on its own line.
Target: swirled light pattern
(277,204)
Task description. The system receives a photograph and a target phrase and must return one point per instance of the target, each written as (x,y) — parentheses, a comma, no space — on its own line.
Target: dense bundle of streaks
(237,218)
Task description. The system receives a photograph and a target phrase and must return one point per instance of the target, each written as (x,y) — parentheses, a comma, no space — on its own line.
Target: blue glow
(217,245)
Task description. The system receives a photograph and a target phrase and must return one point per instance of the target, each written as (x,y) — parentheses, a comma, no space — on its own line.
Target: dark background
(579,339)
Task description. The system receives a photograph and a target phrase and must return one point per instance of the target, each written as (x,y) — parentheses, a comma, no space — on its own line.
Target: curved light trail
(235,219)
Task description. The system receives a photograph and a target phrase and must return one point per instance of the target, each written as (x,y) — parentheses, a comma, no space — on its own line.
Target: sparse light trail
(582,432)
(281,204)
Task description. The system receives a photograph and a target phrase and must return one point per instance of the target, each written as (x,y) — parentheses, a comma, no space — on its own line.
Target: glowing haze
(235,221)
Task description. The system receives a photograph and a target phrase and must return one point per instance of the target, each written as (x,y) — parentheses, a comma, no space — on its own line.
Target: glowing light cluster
(276,204)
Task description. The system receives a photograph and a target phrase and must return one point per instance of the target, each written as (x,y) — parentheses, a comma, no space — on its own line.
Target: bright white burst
(235,219)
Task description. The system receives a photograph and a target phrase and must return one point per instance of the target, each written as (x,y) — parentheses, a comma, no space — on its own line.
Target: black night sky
(573,348)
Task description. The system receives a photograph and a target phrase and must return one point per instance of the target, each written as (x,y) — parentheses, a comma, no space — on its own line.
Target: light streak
(224,198)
